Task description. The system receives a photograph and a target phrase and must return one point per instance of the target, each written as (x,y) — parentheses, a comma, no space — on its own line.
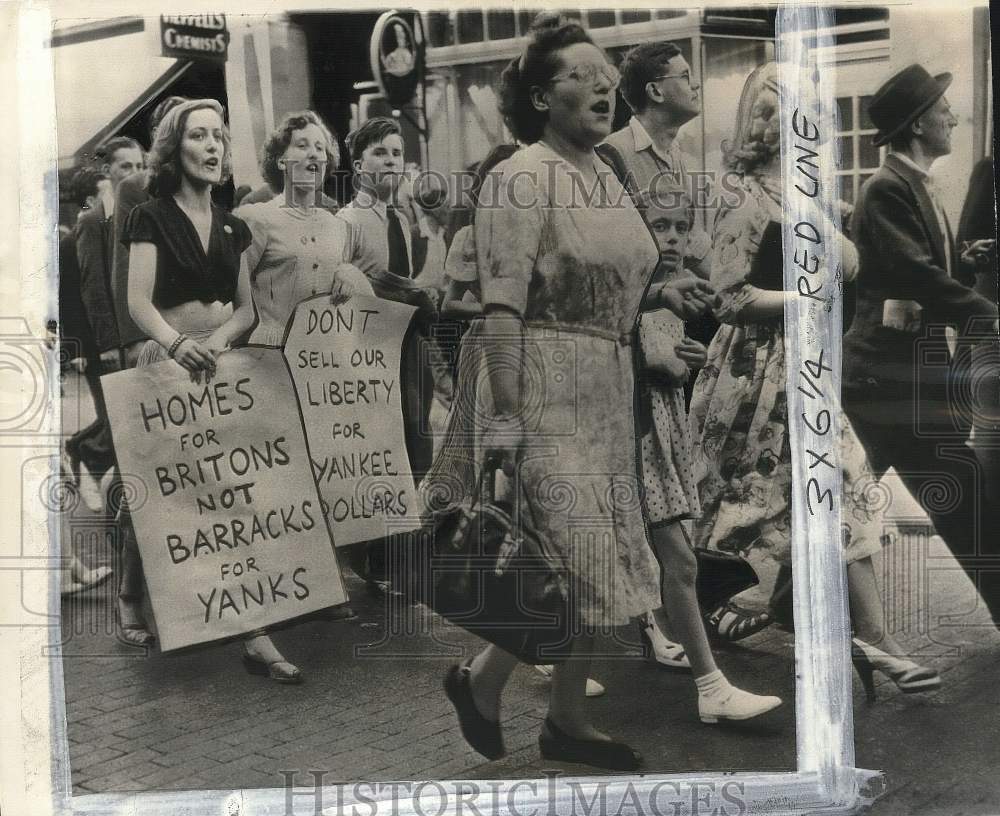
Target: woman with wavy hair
(554,288)
(299,249)
(186,293)
(739,409)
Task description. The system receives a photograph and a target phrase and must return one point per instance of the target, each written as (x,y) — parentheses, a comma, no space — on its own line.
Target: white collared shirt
(647,162)
(643,141)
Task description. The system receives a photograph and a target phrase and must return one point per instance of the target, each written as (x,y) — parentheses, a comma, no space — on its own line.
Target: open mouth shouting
(602,108)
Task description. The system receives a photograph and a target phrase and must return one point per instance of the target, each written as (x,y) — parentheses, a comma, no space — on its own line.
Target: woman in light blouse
(299,249)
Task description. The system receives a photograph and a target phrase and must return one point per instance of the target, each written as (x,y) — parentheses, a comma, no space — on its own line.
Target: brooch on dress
(227,229)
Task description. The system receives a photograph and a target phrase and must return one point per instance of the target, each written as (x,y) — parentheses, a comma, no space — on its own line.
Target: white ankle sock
(713,684)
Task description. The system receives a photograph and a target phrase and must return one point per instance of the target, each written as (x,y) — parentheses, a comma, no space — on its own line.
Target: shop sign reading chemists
(194,36)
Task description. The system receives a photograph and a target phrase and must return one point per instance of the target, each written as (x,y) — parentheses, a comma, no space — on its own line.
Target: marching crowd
(675,434)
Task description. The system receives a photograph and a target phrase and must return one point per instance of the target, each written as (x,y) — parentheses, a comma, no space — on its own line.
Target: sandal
(281,671)
(730,622)
(659,648)
(131,634)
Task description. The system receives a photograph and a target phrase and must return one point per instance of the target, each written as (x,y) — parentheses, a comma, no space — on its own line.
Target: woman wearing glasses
(555,289)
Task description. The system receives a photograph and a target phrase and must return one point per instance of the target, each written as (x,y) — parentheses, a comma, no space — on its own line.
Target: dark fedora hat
(902,98)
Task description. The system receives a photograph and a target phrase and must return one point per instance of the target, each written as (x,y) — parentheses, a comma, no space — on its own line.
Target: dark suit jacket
(979,221)
(74,329)
(131,192)
(902,257)
(93,250)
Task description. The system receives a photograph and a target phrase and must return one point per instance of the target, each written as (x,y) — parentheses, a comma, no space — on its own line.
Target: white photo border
(34,766)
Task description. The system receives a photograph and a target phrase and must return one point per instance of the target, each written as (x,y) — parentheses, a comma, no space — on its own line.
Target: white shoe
(90,490)
(739,705)
(594,689)
(663,651)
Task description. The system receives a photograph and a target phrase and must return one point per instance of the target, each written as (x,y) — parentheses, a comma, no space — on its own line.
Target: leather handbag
(488,571)
(721,575)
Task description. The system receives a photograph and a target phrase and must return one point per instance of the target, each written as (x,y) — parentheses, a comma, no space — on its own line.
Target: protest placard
(231,531)
(345,362)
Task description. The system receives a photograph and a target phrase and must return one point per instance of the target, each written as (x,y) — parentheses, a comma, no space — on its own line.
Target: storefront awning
(103,79)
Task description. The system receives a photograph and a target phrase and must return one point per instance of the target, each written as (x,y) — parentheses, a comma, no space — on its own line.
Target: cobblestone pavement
(372,707)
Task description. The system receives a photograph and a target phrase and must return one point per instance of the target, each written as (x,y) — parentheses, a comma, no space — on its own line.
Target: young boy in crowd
(377,158)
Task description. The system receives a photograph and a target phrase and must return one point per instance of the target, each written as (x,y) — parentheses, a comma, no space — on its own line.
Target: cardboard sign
(345,361)
(229,523)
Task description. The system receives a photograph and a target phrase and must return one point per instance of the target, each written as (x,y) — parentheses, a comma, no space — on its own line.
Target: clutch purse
(660,331)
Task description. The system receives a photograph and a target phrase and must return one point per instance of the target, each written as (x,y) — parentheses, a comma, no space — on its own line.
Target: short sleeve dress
(739,410)
(668,473)
(544,251)
(296,254)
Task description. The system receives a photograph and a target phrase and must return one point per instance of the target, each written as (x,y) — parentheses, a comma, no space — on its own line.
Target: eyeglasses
(587,74)
(686,76)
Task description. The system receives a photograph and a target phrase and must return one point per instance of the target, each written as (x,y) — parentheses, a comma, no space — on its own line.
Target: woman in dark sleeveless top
(186,293)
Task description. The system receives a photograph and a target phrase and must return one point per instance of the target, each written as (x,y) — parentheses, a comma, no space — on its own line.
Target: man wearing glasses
(656,82)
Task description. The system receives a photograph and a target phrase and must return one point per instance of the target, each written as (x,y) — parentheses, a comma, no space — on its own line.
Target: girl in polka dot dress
(671,489)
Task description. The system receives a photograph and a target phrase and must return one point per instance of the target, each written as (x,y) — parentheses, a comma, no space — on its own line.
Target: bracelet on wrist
(176,344)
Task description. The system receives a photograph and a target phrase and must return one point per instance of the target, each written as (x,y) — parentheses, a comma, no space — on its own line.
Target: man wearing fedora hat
(912,285)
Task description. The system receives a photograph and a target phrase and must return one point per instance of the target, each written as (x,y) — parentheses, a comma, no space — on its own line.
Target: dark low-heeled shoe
(557,745)
(483,735)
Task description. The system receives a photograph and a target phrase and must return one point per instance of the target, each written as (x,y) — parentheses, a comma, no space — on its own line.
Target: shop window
(600,18)
(668,14)
(726,64)
(868,154)
(859,158)
(845,149)
(500,25)
(470,26)
(440,29)
(636,16)
(846,185)
(524,19)
(866,120)
(845,109)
